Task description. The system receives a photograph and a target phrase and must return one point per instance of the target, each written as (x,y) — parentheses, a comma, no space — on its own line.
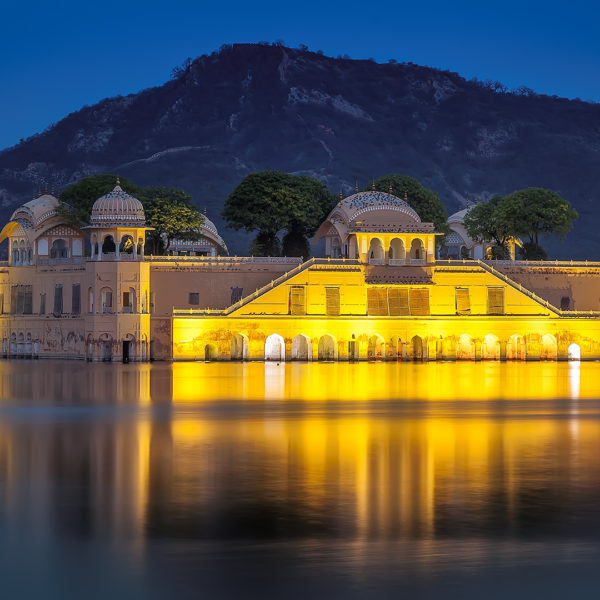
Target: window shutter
(76,299)
(377,302)
(463,301)
(42,304)
(58,300)
(398,301)
(297,302)
(27,299)
(419,302)
(495,301)
(332,301)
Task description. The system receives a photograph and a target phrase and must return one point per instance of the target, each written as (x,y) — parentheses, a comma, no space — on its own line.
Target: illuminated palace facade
(379,293)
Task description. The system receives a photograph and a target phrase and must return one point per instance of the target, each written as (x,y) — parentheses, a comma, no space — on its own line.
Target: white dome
(118,208)
(374,200)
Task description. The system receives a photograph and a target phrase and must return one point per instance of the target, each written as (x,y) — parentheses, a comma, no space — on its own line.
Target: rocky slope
(253,107)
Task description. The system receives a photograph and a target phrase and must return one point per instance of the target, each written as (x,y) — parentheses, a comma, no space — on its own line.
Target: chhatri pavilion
(379,293)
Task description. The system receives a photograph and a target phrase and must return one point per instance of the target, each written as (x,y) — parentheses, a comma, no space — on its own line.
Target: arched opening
(90,300)
(301,348)
(20,345)
(108,245)
(239,347)
(465,348)
(516,348)
(28,345)
(336,247)
(353,349)
(15,253)
(126,245)
(328,349)
(449,348)
(275,348)
(13,344)
(397,348)
(376,251)
(59,249)
(417,251)
(376,348)
(417,348)
(490,348)
(549,348)
(128,348)
(106,347)
(574,352)
(352,247)
(129,300)
(210,352)
(397,252)
(107,300)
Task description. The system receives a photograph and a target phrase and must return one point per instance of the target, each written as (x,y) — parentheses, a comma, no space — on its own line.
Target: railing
(73,260)
(397,262)
(262,260)
(545,263)
(377,261)
(418,261)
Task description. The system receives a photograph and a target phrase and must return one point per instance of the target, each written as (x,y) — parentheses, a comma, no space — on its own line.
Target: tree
(269,202)
(483,223)
(424,201)
(77,200)
(171,212)
(533,212)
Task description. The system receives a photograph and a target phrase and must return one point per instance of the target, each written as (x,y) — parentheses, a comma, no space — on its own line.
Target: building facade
(378,294)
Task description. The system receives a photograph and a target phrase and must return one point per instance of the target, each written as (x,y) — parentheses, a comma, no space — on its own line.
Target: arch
(465,347)
(376,251)
(336,247)
(59,249)
(449,348)
(490,348)
(13,344)
(20,344)
(376,348)
(301,348)
(516,349)
(574,352)
(90,300)
(28,345)
(107,299)
(108,245)
(328,349)
(397,250)
(210,352)
(417,250)
(549,347)
(397,348)
(106,344)
(126,245)
(418,348)
(275,348)
(239,347)
(352,247)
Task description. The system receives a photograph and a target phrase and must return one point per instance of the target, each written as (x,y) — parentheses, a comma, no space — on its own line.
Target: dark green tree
(269,202)
(484,223)
(424,201)
(172,214)
(533,212)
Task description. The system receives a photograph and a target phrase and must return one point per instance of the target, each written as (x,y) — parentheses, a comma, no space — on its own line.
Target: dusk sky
(58,56)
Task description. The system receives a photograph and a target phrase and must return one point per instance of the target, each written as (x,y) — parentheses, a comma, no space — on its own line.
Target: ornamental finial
(118,180)
(373,185)
(405,196)
(391,190)
(356,186)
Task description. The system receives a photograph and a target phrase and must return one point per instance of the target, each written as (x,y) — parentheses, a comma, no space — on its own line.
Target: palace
(380,293)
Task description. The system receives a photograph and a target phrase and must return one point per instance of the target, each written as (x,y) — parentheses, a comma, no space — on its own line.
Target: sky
(56,57)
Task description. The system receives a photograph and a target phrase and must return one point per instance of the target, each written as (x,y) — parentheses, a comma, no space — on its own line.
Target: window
(58,300)
(194,298)
(419,301)
(42,304)
(106,301)
(297,300)
(398,302)
(565,303)
(495,301)
(463,301)
(21,299)
(377,301)
(332,301)
(75,299)
(127,302)
(236,294)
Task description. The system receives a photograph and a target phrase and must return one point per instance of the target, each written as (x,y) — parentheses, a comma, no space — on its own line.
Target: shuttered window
(463,301)
(332,301)
(27,299)
(58,301)
(398,301)
(377,302)
(76,299)
(21,299)
(42,304)
(419,302)
(495,301)
(297,302)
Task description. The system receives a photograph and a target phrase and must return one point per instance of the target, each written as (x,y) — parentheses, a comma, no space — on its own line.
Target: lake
(299,480)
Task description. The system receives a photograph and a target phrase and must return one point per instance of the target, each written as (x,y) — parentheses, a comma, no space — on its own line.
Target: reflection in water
(172,475)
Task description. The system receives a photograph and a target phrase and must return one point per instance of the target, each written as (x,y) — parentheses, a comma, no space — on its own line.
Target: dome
(118,208)
(458,217)
(209,231)
(363,202)
(32,213)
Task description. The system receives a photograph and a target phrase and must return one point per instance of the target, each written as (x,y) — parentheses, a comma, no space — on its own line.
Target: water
(325,480)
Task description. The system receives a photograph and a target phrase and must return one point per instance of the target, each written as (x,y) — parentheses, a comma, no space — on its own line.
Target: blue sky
(57,56)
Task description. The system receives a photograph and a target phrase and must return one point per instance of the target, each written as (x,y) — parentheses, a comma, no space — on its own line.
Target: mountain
(250,107)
